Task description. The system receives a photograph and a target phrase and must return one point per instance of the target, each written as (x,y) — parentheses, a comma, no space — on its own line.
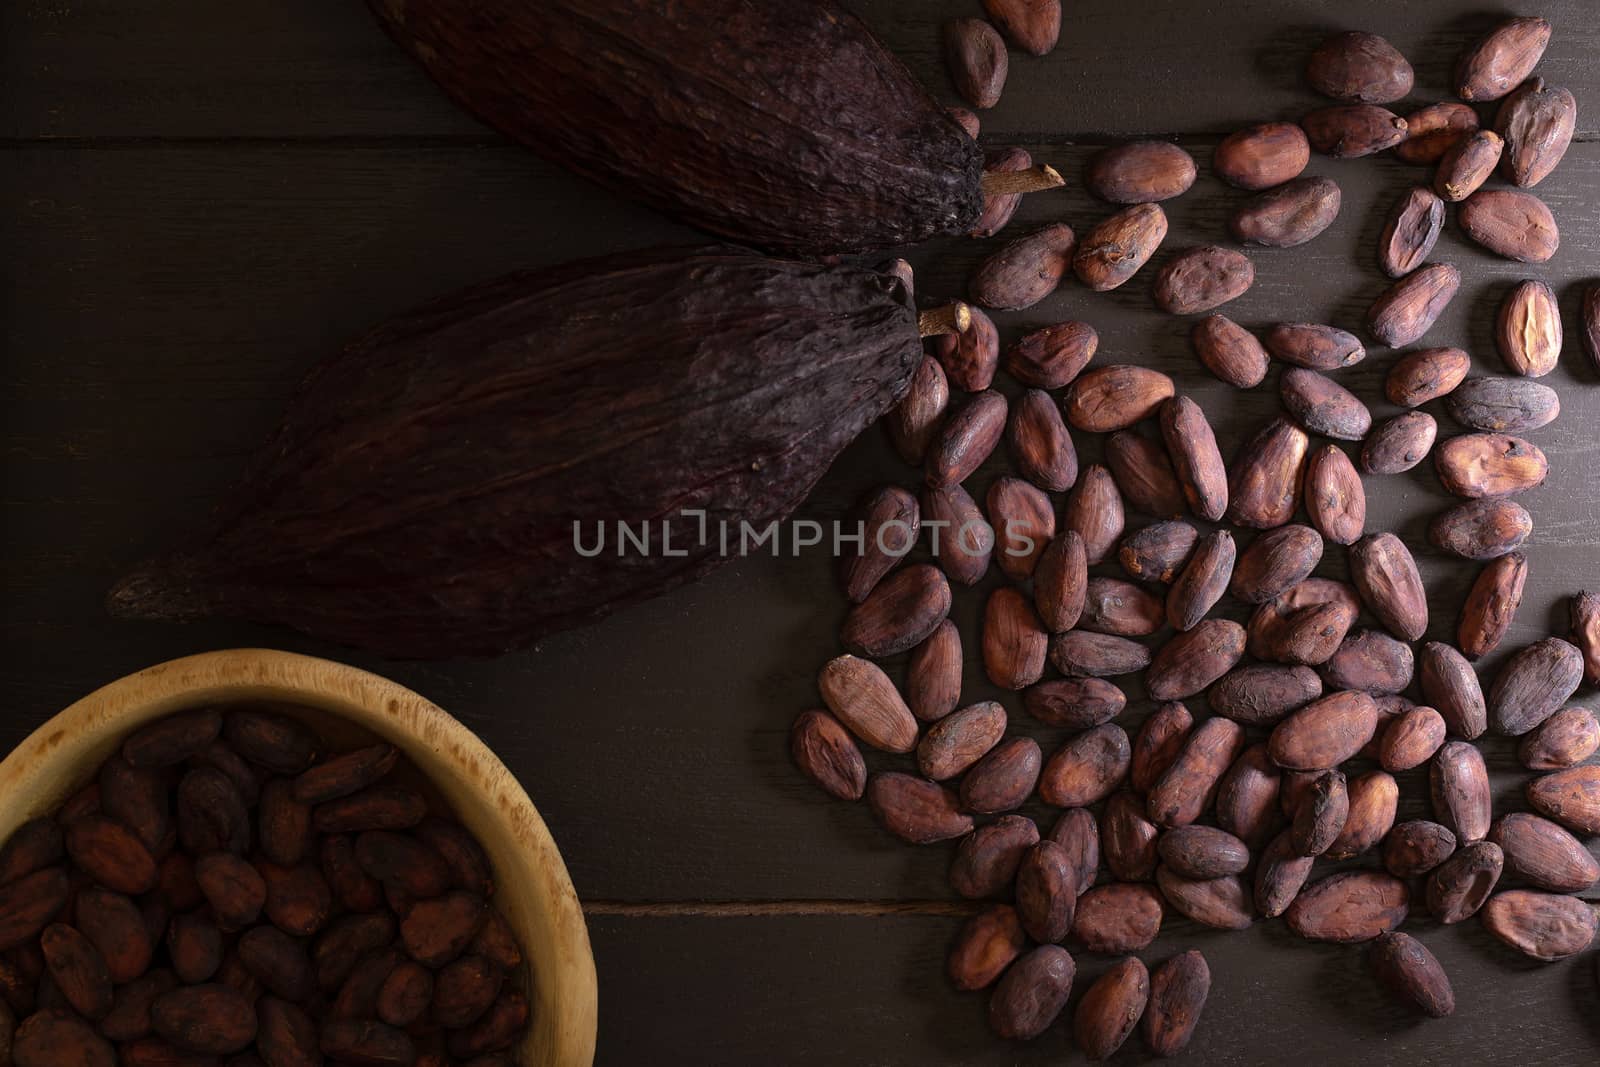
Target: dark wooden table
(202,198)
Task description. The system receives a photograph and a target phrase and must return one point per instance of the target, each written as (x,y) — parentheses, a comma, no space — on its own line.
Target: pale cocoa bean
(1430,131)
(1374,800)
(1334,497)
(1324,733)
(1314,346)
(1467,165)
(1411,739)
(1024,522)
(1570,797)
(1425,375)
(986,946)
(1115,397)
(1528,331)
(862,697)
(1032,25)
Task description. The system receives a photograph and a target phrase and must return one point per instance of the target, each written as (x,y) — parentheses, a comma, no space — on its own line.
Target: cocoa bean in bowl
(267,856)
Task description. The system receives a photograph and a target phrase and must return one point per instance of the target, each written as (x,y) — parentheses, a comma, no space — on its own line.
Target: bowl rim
(98,720)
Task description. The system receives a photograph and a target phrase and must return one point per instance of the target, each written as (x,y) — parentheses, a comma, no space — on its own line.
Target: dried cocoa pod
(1432,130)
(887,521)
(1320,814)
(1141,172)
(1094,511)
(1113,606)
(933,677)
(1247,797)
(1543,854)
(1409,308)
(1510,223)
(1399,444)
(1202,852)
(1143,473)
(1032,993)
(1459,785)
(1222,903)
(1589,319)
(1024,271)
(1414,848)
(1004,778)
(1501,59)
(1157,553)
(1115,397)
(1280,875)
(1087,768)
(1370,661)
(497,1029)
(172,739)
(1314,346)
(963,540)
(1031,25)
(1189,787)
(914,421)
(1014,640)
(1260,157)
(403,863)
(1112,253)
(960,739)
(1289,215)
(1265,479)
(1359,67)
(916,811)
(1492,604)
(1386,577)
(1202,582)
(986,860)
(111,854)
(897,615)
(1534,684)
(1157,743)
(965,439)
(211,1019)
(1111,1008)
(1411,739)
(986,946)
(1348,907)
(1451,685)
(53,1037)
(1119,917)
(1410,972)
(1425,375)
(1089,655)
(970,357)
(1199,279)
(1467,165)
(1374,799)
(862,697)
(1570,797)
(1127,838)
(277,742)
(1537,123)
(1178,991)
(1324,733)
(1229,351)
(1528,330)
(377,807)
(194,944)
(1195,658)
(1275,562)
(1481,529)
(1544,926)
(1348,131)
(975,56)
(825,753)
(436,931)
(1305,624)
(1077,832)
(1061,581)
(1052,357)
(1503,404)
(1047,892)
(1565,739)
(998,207)
(1334,497)
(1411,231)
(211,813)
(1040,444)
(1458,887)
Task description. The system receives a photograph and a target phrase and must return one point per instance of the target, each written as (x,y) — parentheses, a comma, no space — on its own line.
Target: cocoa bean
(897,615)
(1127,838)
(1202,278)
(1416,847)
(401,862)
(1260,157)
(1265,479)
(1320,815)
(1510,223)
(1386,577)
(1119,917)
(1229,351)
(1047,892)
(1087,768)
(1262,694)
(1348,907)
(1492,604)
(1348,131)
(1501,59)
(1410,972)
(346,940)
(1112,253)
(194,944)
(1459,785)
(998,208)
(52,1038)
(1194,659)
(914,421)
(129,1017)
(1314,346)
(1075,703)
(1160,738)
(1411,231)
(1031,25)
(78,970)
(1288,216)
(283,823)
(111,854)
(285,1035)
(969,358)
(1143,473)
(1195,457)
(1544,926)
(1115,397)
(1458,887)
(1203,581)
(1451,685)
(1374,799)
(405,995)
(1280,875)
(916,811)
(1432,130)
(1324,733)
(1178,991)
(888,521)
(1409,308)
(1032,993)
(960,739)
(358,994)
(1052,357)
(498,1027)
(464,989)
(824,751)
(1334,497)
(1111,1008)
(1359,67)
(172,739)
(1142,172)
(1094,510)
(1223,903)
(1370,661)
(1061,581)
(1247,797)
(1014,640)
(1565,739)
(862,697)
(1570,797)
(211,1019)
(34,845)
(1189,787)
(1004,778)
(1040,444)
(965,439)
(1543,854)
(975,56)
(986,860)
(1158,552)
(1202,852)
(368,1041)
(1076,831)
(277,742)
(1113,606)
(1305,624)
(1425,375)
(1467,165)
(113,924)
(963,540)
(211,813)
(279,962)
(377,807)
(933,677)
(1079,653)
(1503,405)
(986,946)
(353,887)
(138,797)
(1528,330)
(1589,320)
(1411,739)
(1399,444)
(233,888)
(1537,122)
(1275,562)
(1024,271)
(1534,684)
(436,931)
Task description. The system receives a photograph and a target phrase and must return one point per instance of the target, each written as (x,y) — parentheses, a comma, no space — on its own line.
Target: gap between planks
(743,909)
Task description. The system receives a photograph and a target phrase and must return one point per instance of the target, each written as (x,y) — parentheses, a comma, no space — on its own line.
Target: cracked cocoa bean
(1411,231)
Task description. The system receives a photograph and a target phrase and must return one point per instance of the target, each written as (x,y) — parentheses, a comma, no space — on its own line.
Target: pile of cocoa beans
(228,893)
(1222,818)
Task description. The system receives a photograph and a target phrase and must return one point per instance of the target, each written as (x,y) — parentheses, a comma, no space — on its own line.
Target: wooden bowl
(534,890)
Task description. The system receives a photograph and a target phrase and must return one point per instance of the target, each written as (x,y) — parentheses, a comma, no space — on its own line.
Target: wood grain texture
(206,199)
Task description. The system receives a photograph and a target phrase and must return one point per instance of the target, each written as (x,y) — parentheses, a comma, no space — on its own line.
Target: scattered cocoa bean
(1544,926)
(825,752)
(1411,231)
(1537,122)
(933,677)
(1052,357)
(1260,157)
(1061,581)
(1157,743)
(1374,800)
(963,540)
(1467,165)
(1189,787)
(915,420)
(1510,223)
(1140,173)
(1199,279)
(1481,529)
(1221,903)
(1031,25)
(1324,733)
(1047,892)
(1411,739)
(1229,351)
(1501,59)
(1127,838)
(965,439)
(1458,887)
(1320,815)
(1399,444)
(1359,67)
(1024,271)
(1305,624)
(986,860)
(1534,684)
(1275,562)
(1032,993)
(862,697)
(1143,473)
(1334,497)
(1432,130)
(915,810)
(1014,640)
(1195,658)
(975,55)
(1503,405)
(888,521)
(1111,1008)
(1157,553)
(1094,510)
(969,358)
(1079,653)
(1113,606)
(986,946)
(1202,582)
(1024,522)
(1004,778)
(1039,443)
(1543,854)
(1280,875)
(1411,973)
(1076,831)
(1265,480)
(1075,703)
(1528,330)
(1491,604)
(1112,253)
(1247,797)
(1087,768)
(1349,906)
(1409,308)
(1348,131)
(1119,917)
(1288,216)
(1178,991)
(960,739)
(1451,685)
(1459,784)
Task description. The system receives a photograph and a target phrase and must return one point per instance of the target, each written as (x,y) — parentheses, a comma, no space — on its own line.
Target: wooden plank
(873,991)
(303,68)
(165,299)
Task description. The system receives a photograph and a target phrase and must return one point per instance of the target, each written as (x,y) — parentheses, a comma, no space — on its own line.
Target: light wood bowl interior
(346,704)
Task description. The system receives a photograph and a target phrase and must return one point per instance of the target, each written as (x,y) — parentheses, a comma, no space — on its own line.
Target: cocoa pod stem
(952,318)
(1033,180)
